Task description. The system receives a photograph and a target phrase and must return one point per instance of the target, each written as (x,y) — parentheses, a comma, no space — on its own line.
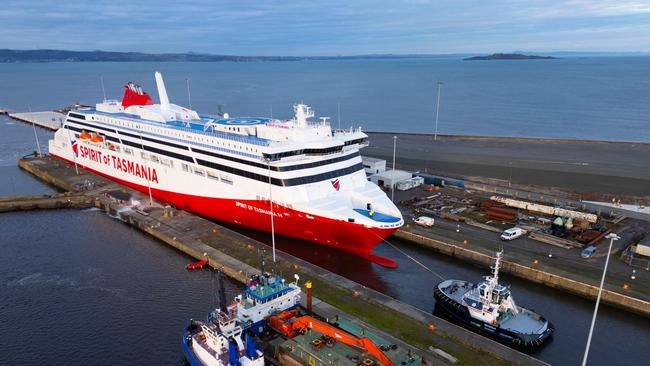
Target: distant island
(508,56)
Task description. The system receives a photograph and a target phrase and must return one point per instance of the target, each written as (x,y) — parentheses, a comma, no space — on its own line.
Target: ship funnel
(162,92)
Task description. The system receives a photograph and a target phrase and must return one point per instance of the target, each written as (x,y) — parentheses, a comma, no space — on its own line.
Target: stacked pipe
(501,213)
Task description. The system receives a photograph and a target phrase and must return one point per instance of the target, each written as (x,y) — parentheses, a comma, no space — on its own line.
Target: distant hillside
(7,55)
(76,56)
(508,56)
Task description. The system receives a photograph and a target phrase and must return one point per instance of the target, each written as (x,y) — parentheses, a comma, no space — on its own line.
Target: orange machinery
(285,323)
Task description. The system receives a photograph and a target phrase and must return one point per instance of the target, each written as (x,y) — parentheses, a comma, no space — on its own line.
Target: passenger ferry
(231,169)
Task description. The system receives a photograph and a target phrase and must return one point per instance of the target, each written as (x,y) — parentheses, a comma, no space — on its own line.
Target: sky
(333,27)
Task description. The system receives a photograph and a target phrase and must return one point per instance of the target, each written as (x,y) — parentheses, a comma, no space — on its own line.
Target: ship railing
(245,139)
(224,135)
(347,131)
(286,125)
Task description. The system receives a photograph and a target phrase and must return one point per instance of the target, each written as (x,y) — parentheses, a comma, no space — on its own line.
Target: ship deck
(195,126)
(526,322)
(306,348)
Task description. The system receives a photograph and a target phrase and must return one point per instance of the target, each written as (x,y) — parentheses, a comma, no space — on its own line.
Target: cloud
(296,27)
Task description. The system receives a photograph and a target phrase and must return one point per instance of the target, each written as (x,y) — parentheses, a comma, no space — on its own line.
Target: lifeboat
(196,265)
(96,138)
(84,135)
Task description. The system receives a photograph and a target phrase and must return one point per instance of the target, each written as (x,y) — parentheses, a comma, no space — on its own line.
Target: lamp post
(510,176)
(268,161)
(435,134)
(611,238)
(392,179)
(146,168)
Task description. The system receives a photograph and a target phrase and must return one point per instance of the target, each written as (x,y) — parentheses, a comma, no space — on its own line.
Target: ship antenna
(262,263)
(101,79)
(339,113)
(497,265)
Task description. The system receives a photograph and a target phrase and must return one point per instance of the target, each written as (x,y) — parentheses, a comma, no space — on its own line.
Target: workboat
(489,308)
(266,294)
(220,340)
(231,169)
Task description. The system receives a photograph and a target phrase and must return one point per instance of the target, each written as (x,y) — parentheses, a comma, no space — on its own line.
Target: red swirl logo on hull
(336,183)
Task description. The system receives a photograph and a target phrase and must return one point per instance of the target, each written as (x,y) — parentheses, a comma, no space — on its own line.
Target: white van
(424,221)
(512,233)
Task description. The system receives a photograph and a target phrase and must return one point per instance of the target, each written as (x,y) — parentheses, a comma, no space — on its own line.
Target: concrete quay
(49,119)
(63,200)
(237,256)
(580,167)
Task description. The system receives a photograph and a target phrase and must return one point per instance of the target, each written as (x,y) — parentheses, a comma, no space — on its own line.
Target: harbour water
(77,286)
(578,98)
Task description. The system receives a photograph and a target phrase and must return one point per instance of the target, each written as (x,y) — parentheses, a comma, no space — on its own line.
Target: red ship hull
(254,214)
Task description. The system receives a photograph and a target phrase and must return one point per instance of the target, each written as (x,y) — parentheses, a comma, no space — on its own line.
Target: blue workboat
(221,340)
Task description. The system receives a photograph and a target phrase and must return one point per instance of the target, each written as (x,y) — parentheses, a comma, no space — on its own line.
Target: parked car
(425,221)
(512,233)
(588,252)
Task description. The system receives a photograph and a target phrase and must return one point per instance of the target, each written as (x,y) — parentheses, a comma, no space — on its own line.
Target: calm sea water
(77,287)
(583,98)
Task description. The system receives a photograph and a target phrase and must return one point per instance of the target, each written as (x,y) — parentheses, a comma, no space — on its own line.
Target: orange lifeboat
(96,138)
(84,135)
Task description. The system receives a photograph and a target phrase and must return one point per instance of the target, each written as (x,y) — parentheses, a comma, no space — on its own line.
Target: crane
(283,323)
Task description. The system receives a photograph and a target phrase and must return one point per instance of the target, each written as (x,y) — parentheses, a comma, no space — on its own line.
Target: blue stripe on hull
(187,349)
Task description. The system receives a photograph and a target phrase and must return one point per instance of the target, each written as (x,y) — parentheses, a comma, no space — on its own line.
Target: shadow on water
(348,265)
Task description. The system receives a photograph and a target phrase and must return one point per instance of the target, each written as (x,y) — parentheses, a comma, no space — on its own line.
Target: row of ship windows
(271,157)
(232,170)
(171,133)
(188,158)
(167,162)
(184,167)
(209,173)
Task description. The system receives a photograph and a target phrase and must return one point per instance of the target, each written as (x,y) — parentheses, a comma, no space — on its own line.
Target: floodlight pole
(611,237)
(435,134)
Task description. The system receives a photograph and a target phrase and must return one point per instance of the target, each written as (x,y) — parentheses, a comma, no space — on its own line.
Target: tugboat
(490,309)
(219,341)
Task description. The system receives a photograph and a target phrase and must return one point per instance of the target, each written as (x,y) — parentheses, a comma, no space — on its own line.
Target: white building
(390,178)
(373,165)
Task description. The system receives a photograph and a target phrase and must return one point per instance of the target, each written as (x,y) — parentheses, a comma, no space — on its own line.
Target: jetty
(434,339)
(54,201)
(50,120)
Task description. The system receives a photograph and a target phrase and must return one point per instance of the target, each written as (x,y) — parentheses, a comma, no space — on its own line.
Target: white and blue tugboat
(265,295)
(221,340)
(490,309)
